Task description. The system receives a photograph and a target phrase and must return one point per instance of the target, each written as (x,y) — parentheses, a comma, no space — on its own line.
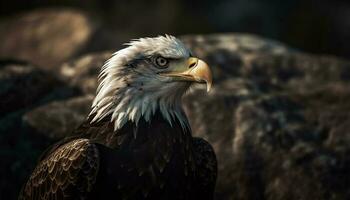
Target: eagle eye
(161,62)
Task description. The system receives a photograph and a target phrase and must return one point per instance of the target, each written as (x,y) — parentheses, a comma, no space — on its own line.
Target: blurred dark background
(51,52)
(319,26)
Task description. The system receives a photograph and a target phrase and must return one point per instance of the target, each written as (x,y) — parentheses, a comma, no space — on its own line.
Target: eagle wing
(69,172)
(207,168)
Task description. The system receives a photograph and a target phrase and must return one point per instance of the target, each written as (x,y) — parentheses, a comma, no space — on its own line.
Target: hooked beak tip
(209,84)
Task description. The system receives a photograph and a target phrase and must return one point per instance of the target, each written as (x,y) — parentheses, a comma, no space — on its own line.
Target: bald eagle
(136,142)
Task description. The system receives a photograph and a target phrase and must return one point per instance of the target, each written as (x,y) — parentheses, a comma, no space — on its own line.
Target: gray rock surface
(23,87)
(273,122)
(82,72)
(61,117)
(267,144)
(22,84)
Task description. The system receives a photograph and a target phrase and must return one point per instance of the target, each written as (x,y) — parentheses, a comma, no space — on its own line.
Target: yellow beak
(197,71)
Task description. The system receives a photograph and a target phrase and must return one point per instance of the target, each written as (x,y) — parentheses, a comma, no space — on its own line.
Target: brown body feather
(152,160)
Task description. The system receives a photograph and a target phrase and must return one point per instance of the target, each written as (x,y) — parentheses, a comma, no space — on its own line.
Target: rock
(278,146)
(280,121)
(212,118)
(227,54)
(265,62)
(59,118)
(296,71)
(268,143)
(49,37)
(328,107)
(20,150)
(233,42)
(22,85)
(82,72)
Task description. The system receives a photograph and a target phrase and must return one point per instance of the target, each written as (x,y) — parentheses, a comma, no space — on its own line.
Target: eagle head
(150,74)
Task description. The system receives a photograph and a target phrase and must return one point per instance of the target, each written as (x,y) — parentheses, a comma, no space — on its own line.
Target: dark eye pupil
(161,61)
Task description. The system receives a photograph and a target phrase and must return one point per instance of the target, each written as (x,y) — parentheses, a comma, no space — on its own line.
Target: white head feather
(130,90)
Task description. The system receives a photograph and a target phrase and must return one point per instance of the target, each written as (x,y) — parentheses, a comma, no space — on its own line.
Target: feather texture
(70,171)
(118,78)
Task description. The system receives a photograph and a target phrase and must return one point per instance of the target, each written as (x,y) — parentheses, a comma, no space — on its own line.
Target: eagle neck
(155,131)
(130,105)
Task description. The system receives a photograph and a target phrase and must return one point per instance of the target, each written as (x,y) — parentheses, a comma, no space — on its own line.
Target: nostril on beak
(192,64)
